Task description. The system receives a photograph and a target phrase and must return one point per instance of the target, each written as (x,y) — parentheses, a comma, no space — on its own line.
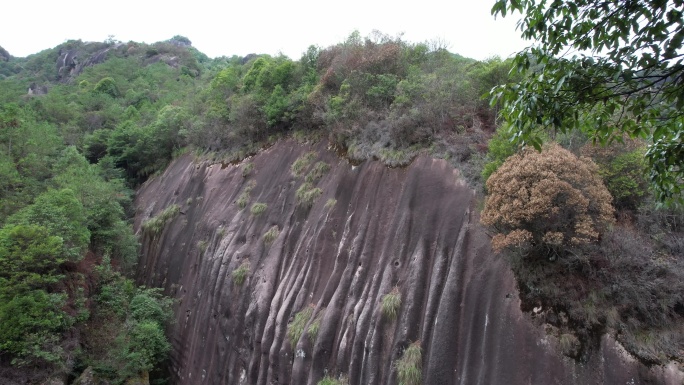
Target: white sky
(266,26)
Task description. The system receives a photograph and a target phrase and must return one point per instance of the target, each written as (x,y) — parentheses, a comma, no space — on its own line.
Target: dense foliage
(65,210)
(624,77)
(128,337)
(609,73)
(371,97)
(77,136)
(548,202)
(578,270)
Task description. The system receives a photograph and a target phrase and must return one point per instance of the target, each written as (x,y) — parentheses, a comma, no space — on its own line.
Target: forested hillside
(82,125)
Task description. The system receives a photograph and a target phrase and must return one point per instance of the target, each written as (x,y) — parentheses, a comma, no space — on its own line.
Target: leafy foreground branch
(629,78)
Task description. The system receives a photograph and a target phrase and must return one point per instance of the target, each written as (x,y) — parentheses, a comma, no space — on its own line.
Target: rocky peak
(4,55)
(74,58)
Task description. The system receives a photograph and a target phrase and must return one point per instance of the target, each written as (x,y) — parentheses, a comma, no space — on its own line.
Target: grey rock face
(372,229)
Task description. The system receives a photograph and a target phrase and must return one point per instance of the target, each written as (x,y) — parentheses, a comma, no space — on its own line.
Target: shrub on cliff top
(546,200)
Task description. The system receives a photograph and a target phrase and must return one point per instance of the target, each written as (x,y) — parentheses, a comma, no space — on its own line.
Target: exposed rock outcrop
(36,89)
(72,61)
(87,378)
(371,229)
(4,55)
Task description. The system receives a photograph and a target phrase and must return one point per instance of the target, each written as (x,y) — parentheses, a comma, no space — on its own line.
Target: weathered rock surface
(87,378)
(415,229)
(71,62)
(36,89)
(4,55)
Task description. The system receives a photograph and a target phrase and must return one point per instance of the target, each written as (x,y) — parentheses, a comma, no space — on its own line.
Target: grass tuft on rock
(315,326)
(410,366)
(329,380)
(247,169)
(243,199)
(391,302)
(302,163)
(317,172)
(240,274)
(307,194)
(271,234)
(156,224)
(202,246)
(295,329)
(258,208)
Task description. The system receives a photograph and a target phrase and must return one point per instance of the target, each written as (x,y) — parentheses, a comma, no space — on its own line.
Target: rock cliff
(241,294)
(73,60)
(4,55)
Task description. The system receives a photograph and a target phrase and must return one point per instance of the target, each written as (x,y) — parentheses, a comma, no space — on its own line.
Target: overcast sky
(267,26)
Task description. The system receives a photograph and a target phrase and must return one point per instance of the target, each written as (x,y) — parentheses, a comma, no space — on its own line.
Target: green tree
(27,151)
(29,259)
(104,202)
(147,347)
(137,342)
(625,76)
(9,176)
(107,86)
(500,147)
(31,324)
(31,315)
(622,168)
(276,106)
(151,305)
(142,150)
(62,214)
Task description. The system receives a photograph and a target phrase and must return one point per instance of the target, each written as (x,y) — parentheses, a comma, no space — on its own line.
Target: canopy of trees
(547,202)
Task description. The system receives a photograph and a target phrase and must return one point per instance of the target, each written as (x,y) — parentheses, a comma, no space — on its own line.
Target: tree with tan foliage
(546,201)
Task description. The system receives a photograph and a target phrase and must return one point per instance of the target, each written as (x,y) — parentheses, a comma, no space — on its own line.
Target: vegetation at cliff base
(65,212)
